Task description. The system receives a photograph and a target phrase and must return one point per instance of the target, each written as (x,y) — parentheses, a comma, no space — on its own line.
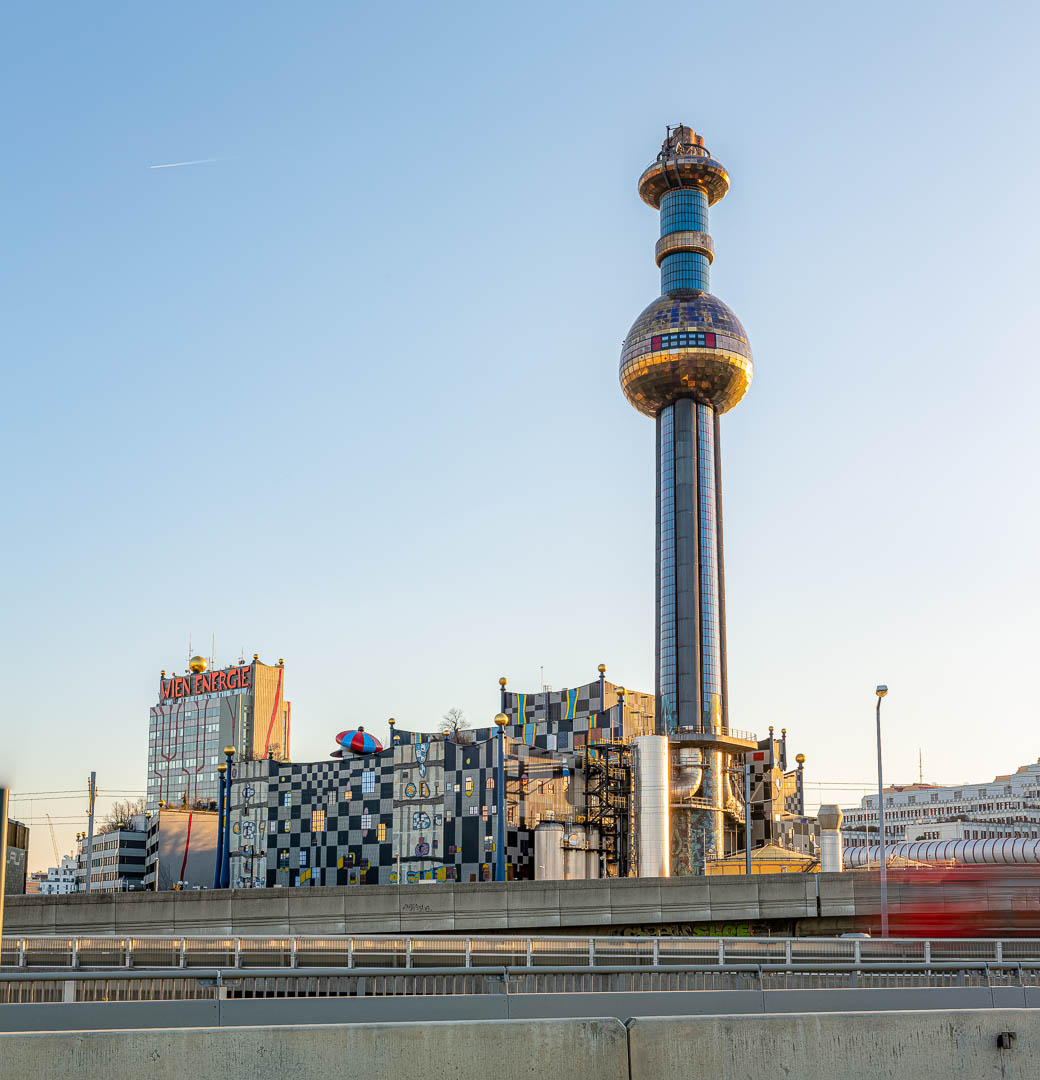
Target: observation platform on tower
(729,740)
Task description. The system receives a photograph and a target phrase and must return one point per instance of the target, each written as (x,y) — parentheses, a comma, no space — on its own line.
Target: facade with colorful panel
(424,809)
(200,712)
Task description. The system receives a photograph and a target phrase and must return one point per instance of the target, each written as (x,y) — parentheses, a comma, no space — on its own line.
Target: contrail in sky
(178,164)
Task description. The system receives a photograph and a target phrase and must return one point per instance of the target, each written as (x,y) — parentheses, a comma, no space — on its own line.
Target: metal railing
(455,953)
(243,983)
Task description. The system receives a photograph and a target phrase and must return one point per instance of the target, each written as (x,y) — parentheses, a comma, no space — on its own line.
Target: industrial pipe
(1000,852)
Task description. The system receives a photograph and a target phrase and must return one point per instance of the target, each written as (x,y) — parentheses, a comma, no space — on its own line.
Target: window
(286,798)
(934,796)
(317,821)
(912,799)
(368,781)
(283,859)
(490,782)
(303,856)
(381,832)
(469,785)
(366,820)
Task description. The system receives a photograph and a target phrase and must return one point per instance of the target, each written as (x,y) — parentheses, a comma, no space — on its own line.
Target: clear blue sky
(348,395)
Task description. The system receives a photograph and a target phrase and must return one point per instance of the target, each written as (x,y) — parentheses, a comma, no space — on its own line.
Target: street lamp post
(881,692)
(219,861)
(225,866)
(500,790)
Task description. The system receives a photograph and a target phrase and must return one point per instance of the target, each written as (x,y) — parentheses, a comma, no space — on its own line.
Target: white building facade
(60,880)
(1007,806)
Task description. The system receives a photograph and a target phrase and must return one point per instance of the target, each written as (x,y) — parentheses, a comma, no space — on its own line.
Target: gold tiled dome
(688,345)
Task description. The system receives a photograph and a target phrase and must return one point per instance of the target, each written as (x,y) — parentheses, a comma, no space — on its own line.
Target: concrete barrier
(505,1050)
(854,1046)
(599,906)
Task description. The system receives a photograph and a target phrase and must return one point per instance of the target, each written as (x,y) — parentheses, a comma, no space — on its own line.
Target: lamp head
(602,668)
(221,768)
(391,721)
(800,758)
(881,691)
(502,682)
(501,719)
(230,751)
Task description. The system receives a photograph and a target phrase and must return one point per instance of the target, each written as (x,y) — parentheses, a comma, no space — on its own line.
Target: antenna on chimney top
(920,767)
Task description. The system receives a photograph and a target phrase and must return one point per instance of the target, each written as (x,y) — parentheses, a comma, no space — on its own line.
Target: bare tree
(455,727)
(121,815)
(274,751)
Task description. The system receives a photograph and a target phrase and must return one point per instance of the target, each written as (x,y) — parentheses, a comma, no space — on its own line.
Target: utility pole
(91,794)
(4,792)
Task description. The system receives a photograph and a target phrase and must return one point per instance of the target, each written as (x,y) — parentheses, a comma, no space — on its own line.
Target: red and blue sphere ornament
(357,742)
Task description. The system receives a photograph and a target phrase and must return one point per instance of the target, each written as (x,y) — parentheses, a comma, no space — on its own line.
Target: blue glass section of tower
(691,659)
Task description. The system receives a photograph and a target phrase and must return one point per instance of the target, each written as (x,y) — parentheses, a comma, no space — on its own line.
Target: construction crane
(54,842)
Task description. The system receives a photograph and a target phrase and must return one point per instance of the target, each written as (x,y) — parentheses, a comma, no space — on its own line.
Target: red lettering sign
(206,682)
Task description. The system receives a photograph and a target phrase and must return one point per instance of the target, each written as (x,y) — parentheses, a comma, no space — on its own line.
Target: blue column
(225,867)
(500,786)
(219,863)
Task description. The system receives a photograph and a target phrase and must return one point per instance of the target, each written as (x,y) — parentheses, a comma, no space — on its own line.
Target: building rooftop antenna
(920,766)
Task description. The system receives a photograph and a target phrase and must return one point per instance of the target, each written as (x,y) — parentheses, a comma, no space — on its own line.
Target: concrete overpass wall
(992,901)
(506,1050)
(821,1046)
(855,1046)
(534,907)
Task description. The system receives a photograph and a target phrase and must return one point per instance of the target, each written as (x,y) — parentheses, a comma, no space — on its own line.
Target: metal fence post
(238,952)
(722,952)
(407,952)
(292,953)
(468,944)
(350,953)
(657,952)
(183,955)
(129,953)
(75,952)
(999,952)
(592,952)
(927,952)
(528,952)
(21,952)
(787,952)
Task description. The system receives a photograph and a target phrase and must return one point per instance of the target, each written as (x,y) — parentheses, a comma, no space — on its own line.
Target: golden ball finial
(502,681)
(501,719)
(280,661)
(800,758)
(256,656)
(602,668)
(229,750)
(621,691)
(221,768)
(162,804)
(197,664)
(391,721)
(163,673)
